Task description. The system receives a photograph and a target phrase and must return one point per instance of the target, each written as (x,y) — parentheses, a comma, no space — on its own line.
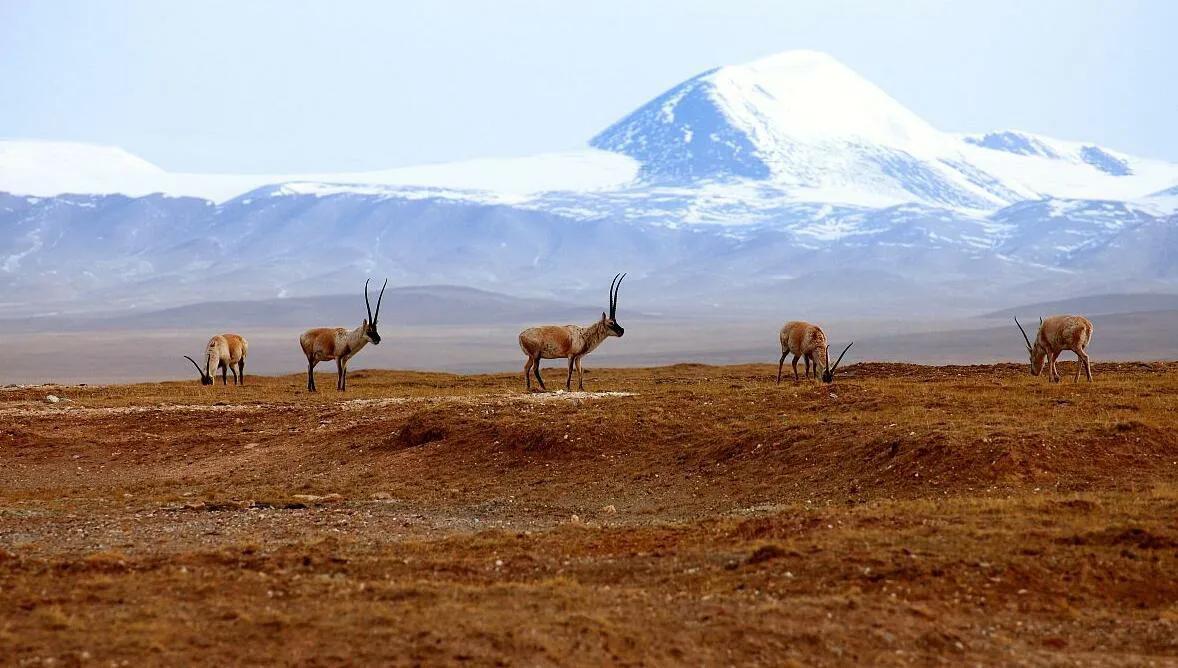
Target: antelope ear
(603,317)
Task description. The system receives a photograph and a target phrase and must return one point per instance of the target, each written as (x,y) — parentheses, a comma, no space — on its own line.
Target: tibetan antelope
(569,341)
(1057,334)
(337,343)
(224,352)
(808,342)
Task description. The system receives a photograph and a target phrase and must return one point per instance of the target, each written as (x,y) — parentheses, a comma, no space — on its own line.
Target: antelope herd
(227,352)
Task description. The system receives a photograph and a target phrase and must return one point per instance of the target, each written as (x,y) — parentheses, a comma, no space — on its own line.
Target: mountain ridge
(800,120)
(730,189)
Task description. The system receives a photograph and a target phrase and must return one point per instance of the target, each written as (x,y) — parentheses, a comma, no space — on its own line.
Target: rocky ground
(673,515)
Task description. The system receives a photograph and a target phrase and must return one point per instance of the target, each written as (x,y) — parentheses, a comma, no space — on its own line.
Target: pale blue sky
(293,86)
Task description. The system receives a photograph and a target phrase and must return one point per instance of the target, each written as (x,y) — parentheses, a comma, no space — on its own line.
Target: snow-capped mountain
(818,132)
(736,187)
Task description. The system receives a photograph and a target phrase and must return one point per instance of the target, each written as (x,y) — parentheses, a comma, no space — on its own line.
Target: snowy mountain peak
(765,119)
(739,141)
(808,95)
(746,177)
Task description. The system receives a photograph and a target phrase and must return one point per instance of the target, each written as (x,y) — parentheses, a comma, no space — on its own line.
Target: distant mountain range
(787,184)
(430,305)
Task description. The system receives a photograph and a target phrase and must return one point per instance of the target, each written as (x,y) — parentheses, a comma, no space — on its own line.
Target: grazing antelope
(569,341)
(808,342)
(225,352)
(1057,334)
(336,343)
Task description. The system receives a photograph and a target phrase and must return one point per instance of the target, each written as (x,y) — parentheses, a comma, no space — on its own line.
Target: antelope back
(550,341)
(236,347)
(1063,332)
(802,338)
(319,339)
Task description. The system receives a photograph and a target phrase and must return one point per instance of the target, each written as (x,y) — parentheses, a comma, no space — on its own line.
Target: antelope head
(205,379)
(370,324)
(611,320)
(828,374)
(1038,355)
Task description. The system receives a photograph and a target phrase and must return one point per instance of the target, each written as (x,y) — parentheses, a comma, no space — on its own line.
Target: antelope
(337,343)
(569,341)
(224,352)
(808,342)
(1057,334)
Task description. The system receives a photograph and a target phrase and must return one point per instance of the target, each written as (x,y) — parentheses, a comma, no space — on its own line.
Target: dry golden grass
(706,516)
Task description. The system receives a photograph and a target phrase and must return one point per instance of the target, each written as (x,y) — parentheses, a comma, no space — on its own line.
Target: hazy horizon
(480,337)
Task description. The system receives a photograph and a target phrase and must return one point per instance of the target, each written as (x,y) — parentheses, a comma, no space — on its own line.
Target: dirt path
(71,410)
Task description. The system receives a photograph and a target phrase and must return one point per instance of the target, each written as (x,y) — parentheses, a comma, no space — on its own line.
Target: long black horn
(1020,328)
(198,369)
(366,304)
(613,294)
(836,364)
(378,300)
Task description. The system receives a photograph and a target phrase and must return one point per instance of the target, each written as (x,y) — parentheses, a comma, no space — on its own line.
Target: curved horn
(836,364)
(366,304)
(613,294)
(1020,328)
(198,369)
(378,300)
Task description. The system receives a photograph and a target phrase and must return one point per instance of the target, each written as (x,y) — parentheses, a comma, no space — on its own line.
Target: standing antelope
(1057,334)
(572,341)
(809,342)
(224,352)
(336,343)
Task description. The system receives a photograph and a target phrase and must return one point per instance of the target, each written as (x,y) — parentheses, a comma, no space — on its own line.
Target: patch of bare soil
(678,515)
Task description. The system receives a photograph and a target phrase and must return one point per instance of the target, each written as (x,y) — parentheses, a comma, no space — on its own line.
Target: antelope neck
(594,334)
(356,339)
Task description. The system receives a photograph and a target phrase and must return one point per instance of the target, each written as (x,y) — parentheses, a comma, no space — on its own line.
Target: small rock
(609,510)
(381,496)
(250,446)
(316,498)
(575,519)
(52,398)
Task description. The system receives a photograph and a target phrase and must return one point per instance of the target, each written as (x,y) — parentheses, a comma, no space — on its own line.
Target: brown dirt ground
(696,515)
